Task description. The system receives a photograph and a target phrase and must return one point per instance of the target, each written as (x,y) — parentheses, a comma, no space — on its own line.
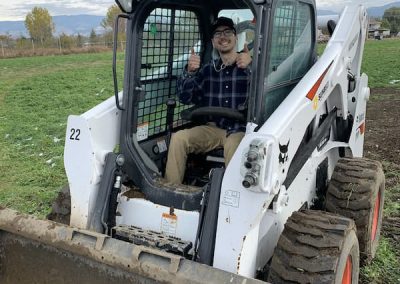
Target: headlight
(257,166)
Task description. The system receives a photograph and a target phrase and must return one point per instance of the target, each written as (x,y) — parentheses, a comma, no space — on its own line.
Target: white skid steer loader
(297,202)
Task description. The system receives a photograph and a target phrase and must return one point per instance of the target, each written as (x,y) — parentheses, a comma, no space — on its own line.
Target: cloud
(17,10)
(337,5)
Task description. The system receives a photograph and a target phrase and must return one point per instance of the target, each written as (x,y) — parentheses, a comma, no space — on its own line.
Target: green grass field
(36,96)
(382,63)
(38,93)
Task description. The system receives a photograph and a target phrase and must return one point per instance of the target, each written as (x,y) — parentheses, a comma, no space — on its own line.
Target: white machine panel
(149,216)
(89,138)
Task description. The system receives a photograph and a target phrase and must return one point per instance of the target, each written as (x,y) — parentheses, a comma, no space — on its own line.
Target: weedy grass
(392,192)
(381,62)
(38,93)
(36,96)
(385,266)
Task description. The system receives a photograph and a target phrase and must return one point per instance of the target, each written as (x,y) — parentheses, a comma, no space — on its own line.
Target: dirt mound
(61,208)
(382,125)
(382,143)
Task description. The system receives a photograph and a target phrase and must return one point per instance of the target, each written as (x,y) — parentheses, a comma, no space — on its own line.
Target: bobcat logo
(283,156)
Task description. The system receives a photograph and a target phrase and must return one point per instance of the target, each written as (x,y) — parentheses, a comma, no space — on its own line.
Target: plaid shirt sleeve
(189,87)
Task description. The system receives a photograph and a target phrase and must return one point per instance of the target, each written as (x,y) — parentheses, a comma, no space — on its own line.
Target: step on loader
(297,203)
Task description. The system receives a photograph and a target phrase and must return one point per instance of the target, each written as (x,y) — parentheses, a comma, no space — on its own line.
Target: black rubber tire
(352,192)
(313,248)
(61,207)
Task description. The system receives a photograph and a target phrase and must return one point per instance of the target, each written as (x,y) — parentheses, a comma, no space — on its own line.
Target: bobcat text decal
(311,94)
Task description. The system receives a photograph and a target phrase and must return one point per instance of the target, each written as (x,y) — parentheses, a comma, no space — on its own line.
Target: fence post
(59,43)
(2,48)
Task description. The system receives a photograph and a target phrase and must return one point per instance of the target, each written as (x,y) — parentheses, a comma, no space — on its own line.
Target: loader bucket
(42,251)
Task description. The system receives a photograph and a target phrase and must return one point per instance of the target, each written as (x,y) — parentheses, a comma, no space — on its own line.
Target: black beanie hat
(223,21)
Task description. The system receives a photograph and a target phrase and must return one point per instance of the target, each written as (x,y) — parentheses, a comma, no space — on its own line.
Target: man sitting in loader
(221,83)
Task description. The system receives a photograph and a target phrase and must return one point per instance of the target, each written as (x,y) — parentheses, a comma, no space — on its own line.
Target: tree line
(41,29)
(40,26)
(391,20)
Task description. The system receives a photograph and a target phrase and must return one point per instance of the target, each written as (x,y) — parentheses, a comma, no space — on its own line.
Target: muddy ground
(382,143)
(382,136)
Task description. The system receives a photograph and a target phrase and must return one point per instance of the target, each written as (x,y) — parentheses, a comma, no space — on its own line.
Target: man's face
(224,39)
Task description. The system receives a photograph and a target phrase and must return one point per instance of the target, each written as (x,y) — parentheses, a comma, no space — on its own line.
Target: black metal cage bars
(167,38)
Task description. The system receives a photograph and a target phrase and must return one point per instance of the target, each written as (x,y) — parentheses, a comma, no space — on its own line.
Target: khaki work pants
(199,139)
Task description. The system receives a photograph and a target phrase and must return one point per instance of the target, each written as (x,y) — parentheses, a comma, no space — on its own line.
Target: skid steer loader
(297,202)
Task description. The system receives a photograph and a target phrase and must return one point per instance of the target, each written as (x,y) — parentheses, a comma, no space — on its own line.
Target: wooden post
(2,48)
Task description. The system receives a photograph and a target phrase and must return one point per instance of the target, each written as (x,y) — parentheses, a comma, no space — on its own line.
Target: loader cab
(291,53)
(160,36)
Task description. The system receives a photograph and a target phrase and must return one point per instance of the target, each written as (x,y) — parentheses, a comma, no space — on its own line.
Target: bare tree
(109,20)
(39,24)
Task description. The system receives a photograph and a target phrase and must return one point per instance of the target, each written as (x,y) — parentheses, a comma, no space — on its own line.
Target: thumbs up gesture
(194,61)
(244,59)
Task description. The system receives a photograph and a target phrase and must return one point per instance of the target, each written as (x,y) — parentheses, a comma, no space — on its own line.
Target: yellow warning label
(315,103)
(168,224)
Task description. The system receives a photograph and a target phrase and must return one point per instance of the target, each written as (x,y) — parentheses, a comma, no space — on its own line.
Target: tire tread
(351,192)
(309,248)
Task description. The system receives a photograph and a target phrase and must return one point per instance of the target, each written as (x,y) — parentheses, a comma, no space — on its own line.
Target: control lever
(171,104)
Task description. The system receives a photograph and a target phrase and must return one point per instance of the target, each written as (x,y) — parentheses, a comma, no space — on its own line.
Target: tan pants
(199,139)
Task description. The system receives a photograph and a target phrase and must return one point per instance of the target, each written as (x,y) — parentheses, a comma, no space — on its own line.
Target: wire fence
(58,45)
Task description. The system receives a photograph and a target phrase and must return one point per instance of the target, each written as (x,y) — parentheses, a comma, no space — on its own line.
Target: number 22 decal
(75,134)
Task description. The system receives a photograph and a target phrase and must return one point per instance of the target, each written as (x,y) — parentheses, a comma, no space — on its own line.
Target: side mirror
(125,5)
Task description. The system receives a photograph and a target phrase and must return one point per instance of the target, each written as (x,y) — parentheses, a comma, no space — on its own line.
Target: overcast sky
(16,10)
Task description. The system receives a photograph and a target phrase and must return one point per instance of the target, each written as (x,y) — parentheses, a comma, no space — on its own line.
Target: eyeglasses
(227,33)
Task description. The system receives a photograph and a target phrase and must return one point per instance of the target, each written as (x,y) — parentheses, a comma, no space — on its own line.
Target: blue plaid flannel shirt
(207,87)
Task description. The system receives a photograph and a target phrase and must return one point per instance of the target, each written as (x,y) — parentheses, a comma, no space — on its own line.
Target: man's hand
(244,59)
(194,61)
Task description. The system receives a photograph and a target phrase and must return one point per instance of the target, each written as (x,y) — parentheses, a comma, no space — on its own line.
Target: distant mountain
(377,12)
(71,25)
(325,12)
(82,24)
